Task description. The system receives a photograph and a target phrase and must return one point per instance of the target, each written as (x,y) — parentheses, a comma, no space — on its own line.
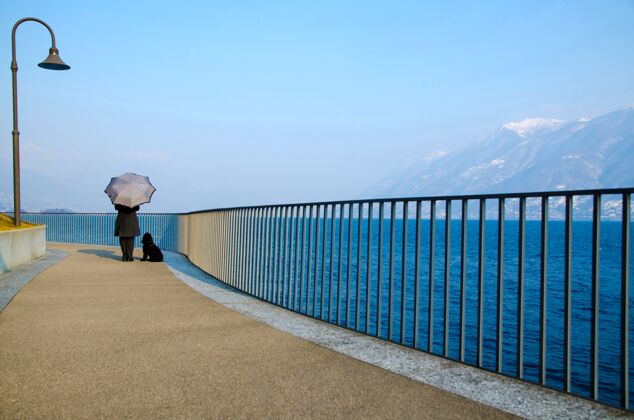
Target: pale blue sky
(252,102)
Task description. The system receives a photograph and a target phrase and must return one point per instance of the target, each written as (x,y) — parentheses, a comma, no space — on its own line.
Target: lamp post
(52,62)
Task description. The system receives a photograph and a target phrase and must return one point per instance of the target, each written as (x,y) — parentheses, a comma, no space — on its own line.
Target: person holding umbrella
(127,192)
(126,227)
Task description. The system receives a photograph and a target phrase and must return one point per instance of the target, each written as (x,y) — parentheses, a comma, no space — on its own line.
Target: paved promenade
(95,337)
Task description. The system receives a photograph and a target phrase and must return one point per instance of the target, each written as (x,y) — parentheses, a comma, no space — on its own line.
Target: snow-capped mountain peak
(530,126)
(551,155)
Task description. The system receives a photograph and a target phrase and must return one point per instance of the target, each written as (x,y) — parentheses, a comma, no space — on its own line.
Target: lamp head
(53,61)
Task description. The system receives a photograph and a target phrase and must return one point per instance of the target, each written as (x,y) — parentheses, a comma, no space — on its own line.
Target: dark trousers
(127,247)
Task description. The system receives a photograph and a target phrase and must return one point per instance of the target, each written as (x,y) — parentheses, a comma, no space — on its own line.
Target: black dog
(151,252)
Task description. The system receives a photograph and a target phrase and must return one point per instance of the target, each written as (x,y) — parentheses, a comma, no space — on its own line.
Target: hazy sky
(226,103)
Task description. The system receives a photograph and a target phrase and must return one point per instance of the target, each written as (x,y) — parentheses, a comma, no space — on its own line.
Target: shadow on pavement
(103,253)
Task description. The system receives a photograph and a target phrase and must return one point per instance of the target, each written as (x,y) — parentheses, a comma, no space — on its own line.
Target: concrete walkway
(95,337)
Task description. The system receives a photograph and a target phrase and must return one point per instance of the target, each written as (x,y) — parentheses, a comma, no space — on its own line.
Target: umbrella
(130,190)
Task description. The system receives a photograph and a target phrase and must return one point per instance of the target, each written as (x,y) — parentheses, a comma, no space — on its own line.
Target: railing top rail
(560,193)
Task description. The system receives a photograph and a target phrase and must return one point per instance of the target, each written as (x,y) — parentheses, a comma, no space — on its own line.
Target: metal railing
(98,228)
(533,286)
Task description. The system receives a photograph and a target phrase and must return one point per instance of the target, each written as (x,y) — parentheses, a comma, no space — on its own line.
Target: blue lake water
(98,228)
(343,300)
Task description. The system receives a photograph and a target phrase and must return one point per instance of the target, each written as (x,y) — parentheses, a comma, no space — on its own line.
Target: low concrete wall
(20,246)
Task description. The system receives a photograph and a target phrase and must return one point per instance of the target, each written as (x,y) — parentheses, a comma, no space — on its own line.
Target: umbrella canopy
(130,190)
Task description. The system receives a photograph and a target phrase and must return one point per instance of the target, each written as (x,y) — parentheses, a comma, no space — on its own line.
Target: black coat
(127,224)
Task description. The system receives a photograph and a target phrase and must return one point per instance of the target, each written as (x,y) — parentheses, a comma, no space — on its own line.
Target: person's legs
(122,244)
(130,248)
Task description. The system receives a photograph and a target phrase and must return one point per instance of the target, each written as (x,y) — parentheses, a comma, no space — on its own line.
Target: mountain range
(535,154)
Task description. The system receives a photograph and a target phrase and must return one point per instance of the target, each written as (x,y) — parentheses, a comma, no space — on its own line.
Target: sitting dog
(151,252)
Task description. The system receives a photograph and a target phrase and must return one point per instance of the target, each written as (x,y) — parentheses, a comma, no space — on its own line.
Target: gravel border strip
(12,281)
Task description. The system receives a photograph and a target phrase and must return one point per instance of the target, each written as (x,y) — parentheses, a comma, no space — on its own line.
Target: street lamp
(52,62)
